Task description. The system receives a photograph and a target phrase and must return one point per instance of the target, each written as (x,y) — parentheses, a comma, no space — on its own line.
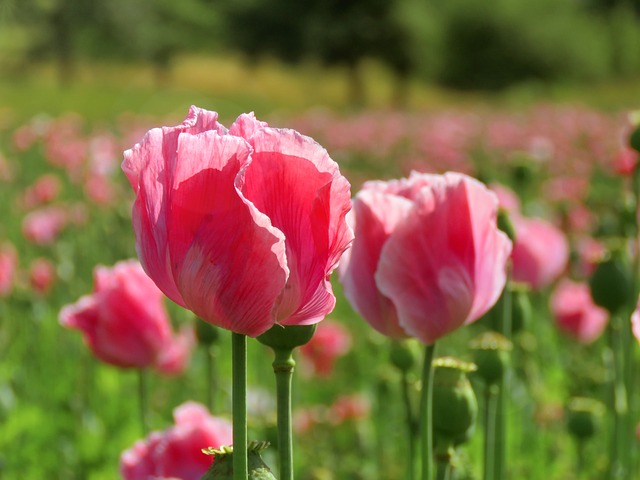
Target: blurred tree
(337,32)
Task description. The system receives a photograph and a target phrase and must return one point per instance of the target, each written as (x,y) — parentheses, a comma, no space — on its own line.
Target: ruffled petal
(377,214)
(228,260)
(295,183)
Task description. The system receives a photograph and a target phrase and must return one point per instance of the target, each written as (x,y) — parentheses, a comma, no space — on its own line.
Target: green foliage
(494,45)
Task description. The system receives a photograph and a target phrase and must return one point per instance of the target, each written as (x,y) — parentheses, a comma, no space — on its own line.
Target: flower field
(80,393)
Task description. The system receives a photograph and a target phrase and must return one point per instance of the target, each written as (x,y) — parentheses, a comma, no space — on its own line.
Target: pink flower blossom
(44,190)
(43,226)
(635,322)
(8,266)
(625,161)
(330,341)
(575,313)
(176,453)
(540,254)
(428,256)
(42,275)
(125,323)
(241,226)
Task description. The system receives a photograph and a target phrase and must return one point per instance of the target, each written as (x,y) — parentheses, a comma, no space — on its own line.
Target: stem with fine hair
(283,367)
(426,413)
(142,401)
(239,399)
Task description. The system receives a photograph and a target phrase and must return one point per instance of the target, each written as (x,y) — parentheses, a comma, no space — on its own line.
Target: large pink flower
(176,453)
(541,252)
(575,313)
(125,323)
(241,226)
(428,256)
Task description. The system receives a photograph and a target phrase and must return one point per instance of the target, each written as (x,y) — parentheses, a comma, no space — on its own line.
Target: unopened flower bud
(455,407)
(222,467)
(583,417)
(521,310)
(491,355)
(611,285)
(402,356)
(634,139)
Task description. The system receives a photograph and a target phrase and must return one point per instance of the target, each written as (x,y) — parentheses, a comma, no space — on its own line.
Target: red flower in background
(125,323)
(8,266)
(330,341)
(427,252)
(43,226)
(575,313)
(241,226)
(44,190)
(175,453)
(42,275)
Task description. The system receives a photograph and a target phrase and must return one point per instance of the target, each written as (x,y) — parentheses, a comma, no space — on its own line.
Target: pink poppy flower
(8,266)
(176,453)
(575,313)
(435,259)
(42,275)
(43,226)
(540,254)
(330,341)
(125,323)
(44,190)
(241,226)
(625,161)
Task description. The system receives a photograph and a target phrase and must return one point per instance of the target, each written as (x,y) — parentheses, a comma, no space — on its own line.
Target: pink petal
(295,183)
(227,259)
(377,215)
(246,125)
(444,265)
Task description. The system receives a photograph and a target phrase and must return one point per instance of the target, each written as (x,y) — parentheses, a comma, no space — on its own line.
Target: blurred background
(344,54)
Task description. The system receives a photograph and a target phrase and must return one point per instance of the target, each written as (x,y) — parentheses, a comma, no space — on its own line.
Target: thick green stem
(500,458)
(411,427)
(283,367)
(239,399)
(490,411)
(426,413)
(142,401)
(618,459)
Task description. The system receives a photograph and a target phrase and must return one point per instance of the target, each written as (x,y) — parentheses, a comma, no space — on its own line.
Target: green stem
(500,443)
(490,411)
(443,470)
(411,429)
(283,367)
(580,460)
(239,399)
(426,420)
(142,401)
(619,444)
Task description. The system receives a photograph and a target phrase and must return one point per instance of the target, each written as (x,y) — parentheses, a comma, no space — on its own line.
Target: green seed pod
(455,407)
(584,416)
(505,224)
(206,333)
(281,337)
(611,285)
(402,356)
(521,309)
(222,466)
(491,355)
(634,139)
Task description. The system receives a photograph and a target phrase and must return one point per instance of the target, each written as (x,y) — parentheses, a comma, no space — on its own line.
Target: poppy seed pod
(402,356)
(222,467)
(491,355)
(634,139)
(611,285)
(455,407)
(206,333)
(583,417)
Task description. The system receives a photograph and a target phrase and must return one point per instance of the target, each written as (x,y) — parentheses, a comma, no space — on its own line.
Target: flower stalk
(426,413)
(239,399)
